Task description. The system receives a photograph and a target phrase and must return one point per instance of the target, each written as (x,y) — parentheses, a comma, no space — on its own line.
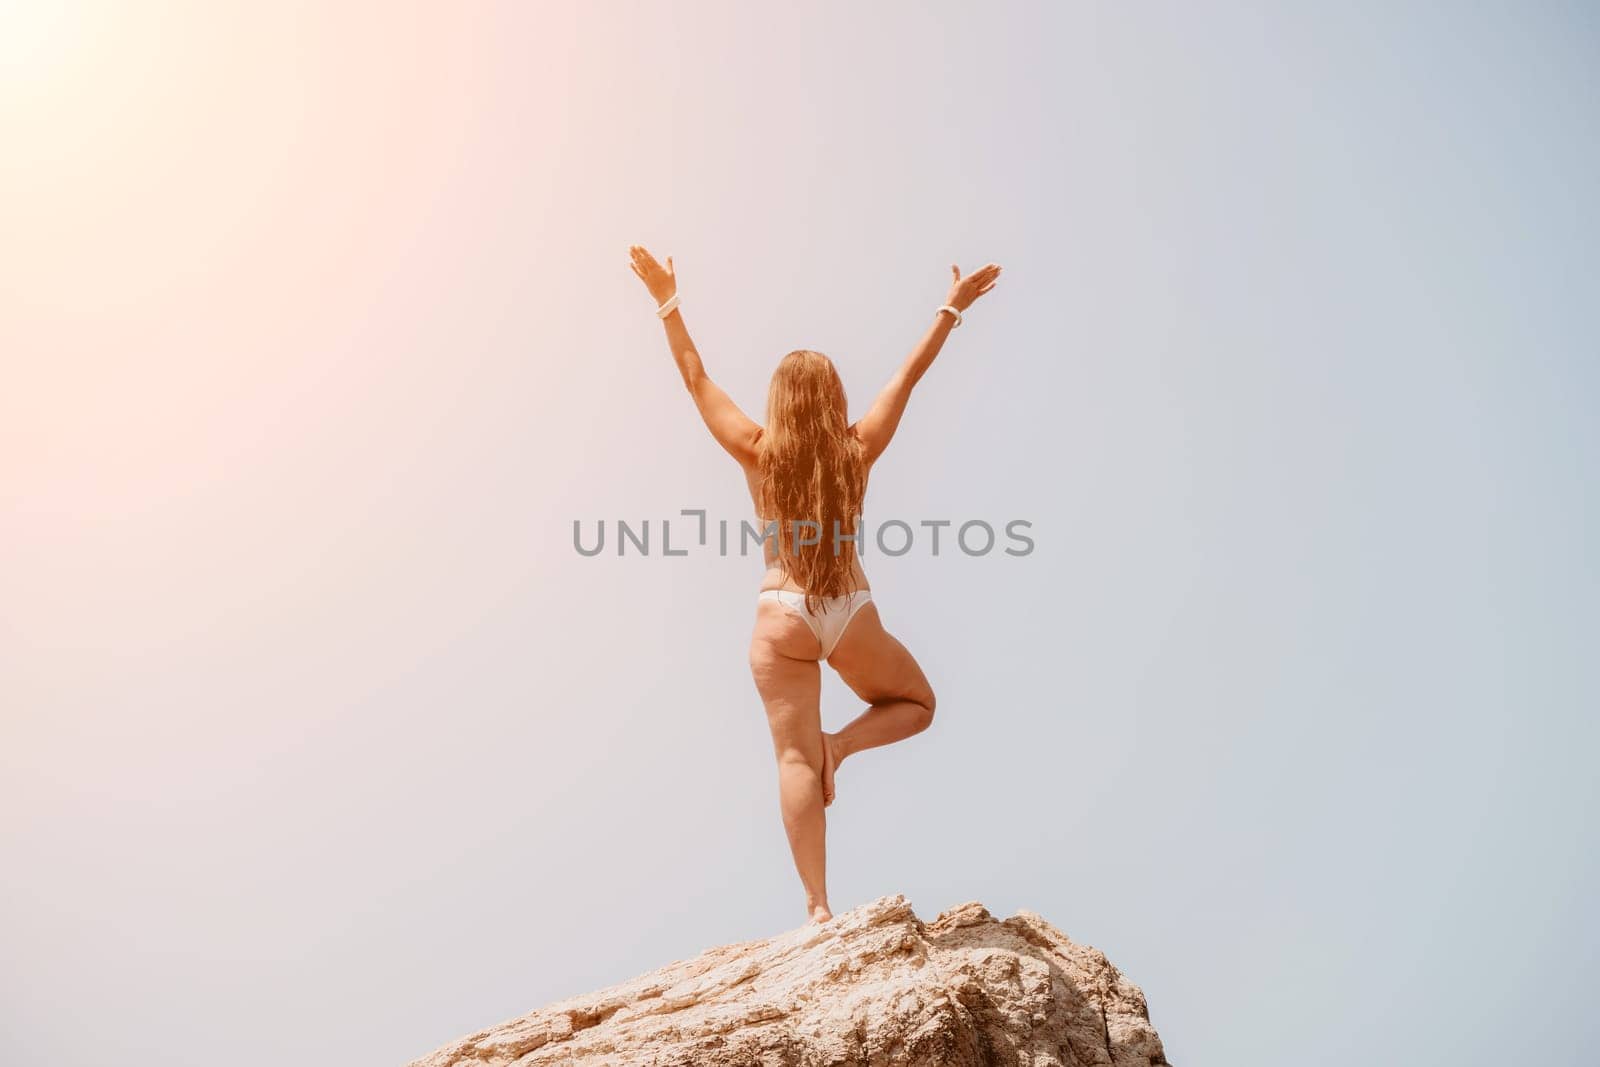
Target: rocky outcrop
(875,986)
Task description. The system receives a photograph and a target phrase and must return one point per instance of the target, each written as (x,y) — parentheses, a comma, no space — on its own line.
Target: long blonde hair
(812,471)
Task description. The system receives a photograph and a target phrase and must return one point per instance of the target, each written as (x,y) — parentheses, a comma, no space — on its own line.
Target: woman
(807,472)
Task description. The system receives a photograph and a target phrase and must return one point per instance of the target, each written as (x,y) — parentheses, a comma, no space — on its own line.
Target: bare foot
(829,764)
(819,914)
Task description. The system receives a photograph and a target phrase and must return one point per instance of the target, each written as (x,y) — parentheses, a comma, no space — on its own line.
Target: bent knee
(925,703)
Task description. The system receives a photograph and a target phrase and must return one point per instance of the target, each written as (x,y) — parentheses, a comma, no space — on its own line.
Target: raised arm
(736,432)
(876,428)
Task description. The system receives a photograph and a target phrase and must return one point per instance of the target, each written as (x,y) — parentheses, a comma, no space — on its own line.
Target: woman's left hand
(661,281)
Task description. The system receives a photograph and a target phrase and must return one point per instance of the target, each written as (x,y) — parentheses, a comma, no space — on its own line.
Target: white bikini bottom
(829,623)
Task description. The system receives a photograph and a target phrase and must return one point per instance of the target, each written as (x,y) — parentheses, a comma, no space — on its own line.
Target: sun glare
(39,41)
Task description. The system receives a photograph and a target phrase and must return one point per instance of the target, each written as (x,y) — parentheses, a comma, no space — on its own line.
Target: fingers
(983,279)
(982,276)
(646,266)
(643,258)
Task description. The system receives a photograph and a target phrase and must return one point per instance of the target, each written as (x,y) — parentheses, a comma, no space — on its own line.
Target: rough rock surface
(875,986)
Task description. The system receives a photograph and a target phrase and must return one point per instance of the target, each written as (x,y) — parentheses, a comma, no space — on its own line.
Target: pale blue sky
(328,746)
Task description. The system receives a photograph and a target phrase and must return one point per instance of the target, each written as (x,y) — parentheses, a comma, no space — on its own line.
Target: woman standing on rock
(807,473)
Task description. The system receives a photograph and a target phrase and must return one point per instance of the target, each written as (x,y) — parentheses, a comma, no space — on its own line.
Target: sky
(318,739)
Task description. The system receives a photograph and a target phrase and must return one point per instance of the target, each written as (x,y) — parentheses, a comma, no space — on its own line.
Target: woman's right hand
(963,291)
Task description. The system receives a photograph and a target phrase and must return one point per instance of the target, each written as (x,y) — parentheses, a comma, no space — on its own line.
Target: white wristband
(954,312)
(666,309)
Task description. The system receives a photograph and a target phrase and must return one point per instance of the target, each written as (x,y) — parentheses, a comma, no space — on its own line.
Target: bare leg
(880,724)
(791,687)
(879,669)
